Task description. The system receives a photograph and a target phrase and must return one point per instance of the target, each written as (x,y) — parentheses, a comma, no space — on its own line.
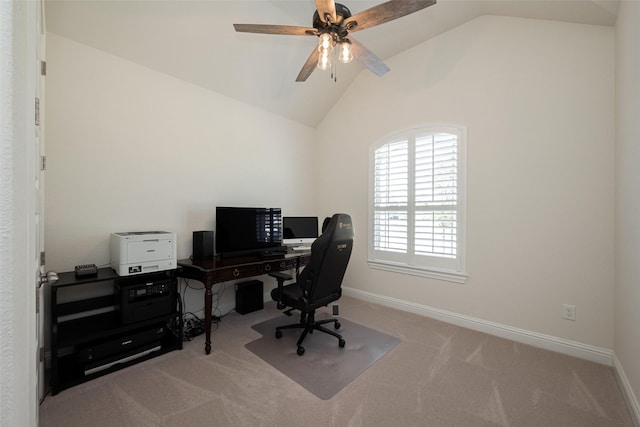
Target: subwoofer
(249,296)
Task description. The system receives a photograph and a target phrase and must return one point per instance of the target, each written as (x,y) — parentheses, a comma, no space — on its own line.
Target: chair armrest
(280,277)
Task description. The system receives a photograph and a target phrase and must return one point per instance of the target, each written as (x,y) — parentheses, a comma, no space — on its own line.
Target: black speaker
(202,245)
(249,296)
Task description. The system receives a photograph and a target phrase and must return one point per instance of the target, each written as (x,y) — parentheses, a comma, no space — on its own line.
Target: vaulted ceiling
(195,41)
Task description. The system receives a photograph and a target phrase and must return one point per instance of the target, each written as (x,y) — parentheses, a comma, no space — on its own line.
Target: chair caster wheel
(337,325)
(300,351)
(341,343)
(278,334)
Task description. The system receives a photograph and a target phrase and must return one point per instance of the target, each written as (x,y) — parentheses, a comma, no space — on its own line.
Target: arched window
(417,212)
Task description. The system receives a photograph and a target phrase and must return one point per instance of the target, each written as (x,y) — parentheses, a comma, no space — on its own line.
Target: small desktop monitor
(299,230)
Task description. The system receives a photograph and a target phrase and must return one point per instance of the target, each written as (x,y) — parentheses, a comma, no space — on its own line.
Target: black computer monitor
(241,230)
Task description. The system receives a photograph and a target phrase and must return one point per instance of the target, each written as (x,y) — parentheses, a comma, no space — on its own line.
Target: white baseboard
(548,342)
(627,391)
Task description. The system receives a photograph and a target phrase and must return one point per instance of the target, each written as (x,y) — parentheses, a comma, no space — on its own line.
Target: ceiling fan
(332,24)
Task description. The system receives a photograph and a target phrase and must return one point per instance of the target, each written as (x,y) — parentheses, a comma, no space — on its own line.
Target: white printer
(137,252)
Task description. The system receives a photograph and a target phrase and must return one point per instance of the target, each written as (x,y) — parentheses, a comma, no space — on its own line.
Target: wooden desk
(217,270)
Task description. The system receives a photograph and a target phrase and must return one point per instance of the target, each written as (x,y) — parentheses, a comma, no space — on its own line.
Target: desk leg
(207,316)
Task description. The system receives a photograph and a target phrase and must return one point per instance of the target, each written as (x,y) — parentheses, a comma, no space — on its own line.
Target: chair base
(309,324)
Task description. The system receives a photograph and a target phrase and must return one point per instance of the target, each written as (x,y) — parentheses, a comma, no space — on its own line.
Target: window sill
(449,276)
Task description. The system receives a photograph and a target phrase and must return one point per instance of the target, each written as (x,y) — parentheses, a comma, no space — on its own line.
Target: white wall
(627,318)
(133,149)
(130,149)
(538,100)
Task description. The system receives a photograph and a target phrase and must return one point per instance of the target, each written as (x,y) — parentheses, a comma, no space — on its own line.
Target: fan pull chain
(334,70)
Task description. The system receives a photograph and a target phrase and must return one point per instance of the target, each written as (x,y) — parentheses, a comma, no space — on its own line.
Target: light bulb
(325,43)
(324,61)
(345,56)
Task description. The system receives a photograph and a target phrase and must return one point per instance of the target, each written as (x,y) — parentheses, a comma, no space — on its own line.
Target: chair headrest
(340,226)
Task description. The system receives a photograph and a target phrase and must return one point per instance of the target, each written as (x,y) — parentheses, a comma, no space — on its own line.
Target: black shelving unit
(83,324)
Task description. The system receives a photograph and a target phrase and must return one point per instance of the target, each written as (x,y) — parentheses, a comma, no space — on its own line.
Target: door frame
(18,260)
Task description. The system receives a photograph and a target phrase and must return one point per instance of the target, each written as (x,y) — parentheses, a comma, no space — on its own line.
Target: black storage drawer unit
(94,335)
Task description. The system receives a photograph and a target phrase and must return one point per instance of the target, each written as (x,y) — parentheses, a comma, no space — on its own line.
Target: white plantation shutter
(391,197)
(417,209)
(436,164)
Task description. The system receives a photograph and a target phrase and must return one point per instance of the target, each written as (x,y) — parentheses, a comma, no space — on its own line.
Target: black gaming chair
(320,282)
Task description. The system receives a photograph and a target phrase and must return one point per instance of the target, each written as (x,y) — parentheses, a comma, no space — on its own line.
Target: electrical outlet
(568,311)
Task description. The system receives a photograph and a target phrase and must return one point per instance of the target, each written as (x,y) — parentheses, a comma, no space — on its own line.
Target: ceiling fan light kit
(332,23)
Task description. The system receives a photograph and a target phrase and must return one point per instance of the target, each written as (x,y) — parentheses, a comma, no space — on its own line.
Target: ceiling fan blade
(368,58)
(309,66)
(385,12)
(326,8)
(285,30)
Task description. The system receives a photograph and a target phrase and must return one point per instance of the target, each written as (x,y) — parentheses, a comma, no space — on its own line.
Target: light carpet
(438,375)
(324,369)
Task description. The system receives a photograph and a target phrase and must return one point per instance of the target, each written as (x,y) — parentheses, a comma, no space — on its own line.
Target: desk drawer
(238,272)
(278,265)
